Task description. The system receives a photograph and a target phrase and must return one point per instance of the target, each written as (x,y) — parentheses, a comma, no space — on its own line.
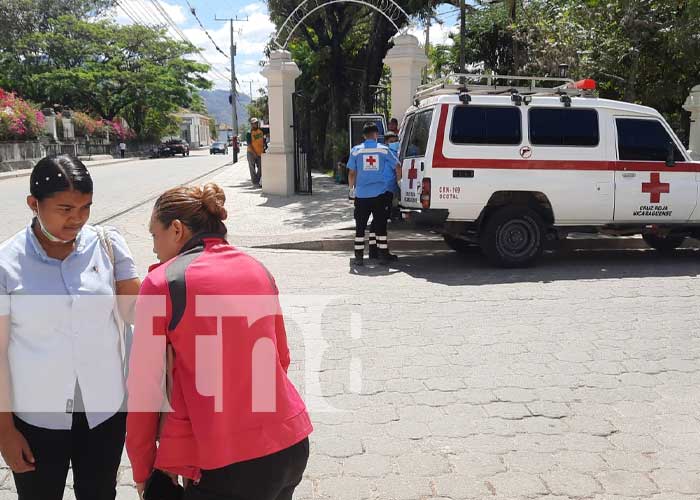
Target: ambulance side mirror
(670,155)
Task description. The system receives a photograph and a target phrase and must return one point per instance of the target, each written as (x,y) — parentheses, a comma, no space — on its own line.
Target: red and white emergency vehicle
(511,162)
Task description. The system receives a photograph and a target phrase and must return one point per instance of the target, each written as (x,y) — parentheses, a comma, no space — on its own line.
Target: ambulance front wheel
(663,244)
(513,236)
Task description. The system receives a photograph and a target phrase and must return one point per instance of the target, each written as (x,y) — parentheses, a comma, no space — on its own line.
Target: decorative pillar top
(406,47)
(692,104)
(281,64)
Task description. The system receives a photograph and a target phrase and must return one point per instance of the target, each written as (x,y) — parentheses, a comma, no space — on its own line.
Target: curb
(26,172)
(569,245)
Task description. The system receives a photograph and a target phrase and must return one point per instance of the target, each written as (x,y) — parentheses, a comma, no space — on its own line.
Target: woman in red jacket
(236,427)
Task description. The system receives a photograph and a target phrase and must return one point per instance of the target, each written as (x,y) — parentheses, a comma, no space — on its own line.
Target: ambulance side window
(644,140)
(564,127)
(486,125)
(405,134)
(416,143)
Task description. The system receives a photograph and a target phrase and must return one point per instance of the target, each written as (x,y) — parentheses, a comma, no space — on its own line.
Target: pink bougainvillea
(120,130)
(19,120)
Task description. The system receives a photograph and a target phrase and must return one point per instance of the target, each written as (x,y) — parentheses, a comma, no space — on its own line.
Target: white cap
(253,120)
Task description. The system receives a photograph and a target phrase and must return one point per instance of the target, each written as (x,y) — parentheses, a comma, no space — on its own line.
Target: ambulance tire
(460,246)
(663,244)
(513,236)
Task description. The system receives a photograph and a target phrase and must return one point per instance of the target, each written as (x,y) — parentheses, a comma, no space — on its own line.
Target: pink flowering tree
(119,130)
(19,120)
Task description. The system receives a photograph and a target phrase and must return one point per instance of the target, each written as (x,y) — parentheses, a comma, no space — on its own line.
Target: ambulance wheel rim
(518,238)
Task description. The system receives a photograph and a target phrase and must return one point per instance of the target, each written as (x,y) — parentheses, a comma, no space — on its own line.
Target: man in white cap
(256,147)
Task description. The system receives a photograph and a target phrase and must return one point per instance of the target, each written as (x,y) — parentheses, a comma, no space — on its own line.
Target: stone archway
(391,10)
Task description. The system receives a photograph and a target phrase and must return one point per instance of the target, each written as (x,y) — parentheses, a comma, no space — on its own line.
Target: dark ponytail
(55,174)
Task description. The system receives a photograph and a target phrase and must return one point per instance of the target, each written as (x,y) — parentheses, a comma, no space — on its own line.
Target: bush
(19,120)
(84,125)
(118,130)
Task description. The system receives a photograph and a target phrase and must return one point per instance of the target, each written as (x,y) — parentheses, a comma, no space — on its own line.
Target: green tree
(340,50)
(258,108)
(134,72)
(643,51)
(19,18)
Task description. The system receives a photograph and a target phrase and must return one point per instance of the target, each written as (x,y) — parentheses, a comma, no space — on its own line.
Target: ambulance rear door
(357,123)
(414,156)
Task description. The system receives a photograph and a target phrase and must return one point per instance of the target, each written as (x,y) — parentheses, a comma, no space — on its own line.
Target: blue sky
(251,36)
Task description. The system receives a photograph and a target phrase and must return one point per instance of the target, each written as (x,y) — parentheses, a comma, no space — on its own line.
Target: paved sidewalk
(450,380)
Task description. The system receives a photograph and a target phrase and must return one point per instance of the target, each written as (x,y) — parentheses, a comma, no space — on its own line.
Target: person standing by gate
(391,188)
(256,147)
(368,166)
(122,149)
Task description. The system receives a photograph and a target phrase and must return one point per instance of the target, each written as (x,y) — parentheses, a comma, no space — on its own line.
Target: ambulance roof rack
(491,84)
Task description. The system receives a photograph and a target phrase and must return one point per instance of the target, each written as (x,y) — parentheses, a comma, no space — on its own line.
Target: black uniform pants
(94,453)
(364,207)
(273,477)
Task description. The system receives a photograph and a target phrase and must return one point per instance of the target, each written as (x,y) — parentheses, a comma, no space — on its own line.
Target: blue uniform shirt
(371,161)
(391,184)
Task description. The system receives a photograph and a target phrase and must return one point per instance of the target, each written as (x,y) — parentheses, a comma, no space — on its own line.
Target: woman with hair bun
(235,428)
(61,340)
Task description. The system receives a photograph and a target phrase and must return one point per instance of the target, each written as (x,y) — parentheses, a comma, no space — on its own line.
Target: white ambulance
(511,162)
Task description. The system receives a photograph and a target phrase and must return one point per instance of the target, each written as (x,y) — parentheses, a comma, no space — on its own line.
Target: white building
(194,128)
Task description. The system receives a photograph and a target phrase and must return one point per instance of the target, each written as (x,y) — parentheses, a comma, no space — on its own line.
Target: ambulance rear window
(564,127)
(486,125)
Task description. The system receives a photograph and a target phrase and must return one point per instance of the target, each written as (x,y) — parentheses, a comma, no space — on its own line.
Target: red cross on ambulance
(655,187)
(412,174)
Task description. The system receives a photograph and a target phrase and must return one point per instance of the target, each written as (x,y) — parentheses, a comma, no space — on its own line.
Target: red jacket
(230,396)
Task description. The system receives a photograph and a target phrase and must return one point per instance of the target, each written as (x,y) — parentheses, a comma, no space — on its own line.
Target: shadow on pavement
(452,269)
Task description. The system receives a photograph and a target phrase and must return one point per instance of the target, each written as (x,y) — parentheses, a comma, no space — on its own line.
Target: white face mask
(45,232)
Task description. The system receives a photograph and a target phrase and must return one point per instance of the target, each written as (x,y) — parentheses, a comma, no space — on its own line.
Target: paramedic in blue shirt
(391,140)
(368,171)
(61,357)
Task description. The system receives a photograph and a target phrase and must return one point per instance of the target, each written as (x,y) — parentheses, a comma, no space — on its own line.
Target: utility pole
(234,111)
(250,82)
(462,35)
(426,71)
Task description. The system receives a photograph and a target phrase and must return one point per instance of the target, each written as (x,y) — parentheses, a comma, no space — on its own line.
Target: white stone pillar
(68,129)
(278,162)
(692,105)
(50,123)
(406,59)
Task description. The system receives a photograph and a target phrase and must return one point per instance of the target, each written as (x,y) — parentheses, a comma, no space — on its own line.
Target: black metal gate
(379,96)
(302,144)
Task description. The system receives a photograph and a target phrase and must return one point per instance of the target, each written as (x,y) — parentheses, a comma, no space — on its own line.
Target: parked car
(162,151)
(218,147)
(179,147)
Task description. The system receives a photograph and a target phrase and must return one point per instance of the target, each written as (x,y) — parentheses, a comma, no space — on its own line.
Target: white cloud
(439,33)
(251,38)
(144,12)
(254,7)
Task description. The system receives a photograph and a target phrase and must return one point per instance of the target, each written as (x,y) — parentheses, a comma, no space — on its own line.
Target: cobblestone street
(443,378)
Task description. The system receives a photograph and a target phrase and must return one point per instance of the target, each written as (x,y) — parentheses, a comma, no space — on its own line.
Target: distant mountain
(219,107)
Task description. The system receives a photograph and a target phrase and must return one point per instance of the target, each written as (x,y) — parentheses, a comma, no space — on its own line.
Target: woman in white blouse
(61,348)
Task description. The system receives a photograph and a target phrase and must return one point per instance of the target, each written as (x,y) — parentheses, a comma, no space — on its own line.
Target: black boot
(385,258)
(373,251)
(359,259)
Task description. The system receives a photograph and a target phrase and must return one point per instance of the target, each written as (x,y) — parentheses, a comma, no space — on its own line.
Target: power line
(194,13)
(153,18)
(128,13)
(178,31)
